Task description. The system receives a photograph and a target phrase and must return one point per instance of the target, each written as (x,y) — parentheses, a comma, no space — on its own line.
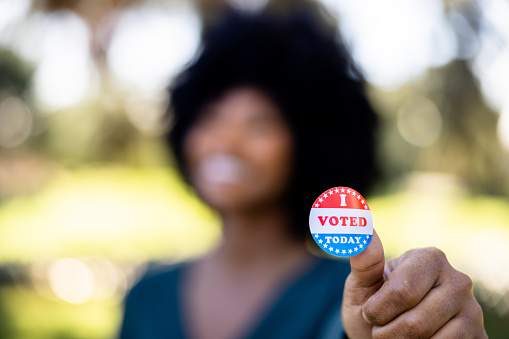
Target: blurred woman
(271,113)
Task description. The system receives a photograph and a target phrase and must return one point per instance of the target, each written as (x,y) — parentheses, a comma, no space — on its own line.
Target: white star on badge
(363,202)
(331,249)
(337,251)
(331,192)
(316,235)
(360,246)
(366,207)
(325,246)
(325,195)
(342,190)
(320,200)
(348,191)
(364,241)
(336,190)
(358,197)
(356,249)
(320,241)
(343,251)
(367,237)
(349,251)
(316,205)
(353,193)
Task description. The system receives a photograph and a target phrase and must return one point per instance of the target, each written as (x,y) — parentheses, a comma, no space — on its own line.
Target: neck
(258,239)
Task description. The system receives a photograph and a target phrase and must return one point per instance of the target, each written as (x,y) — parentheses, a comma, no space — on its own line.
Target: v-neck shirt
(309,306)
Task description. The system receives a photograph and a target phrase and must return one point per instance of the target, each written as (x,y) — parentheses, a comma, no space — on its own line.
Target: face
(239,152)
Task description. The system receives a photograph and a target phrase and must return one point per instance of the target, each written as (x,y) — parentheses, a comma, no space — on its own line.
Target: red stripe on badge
(341,197)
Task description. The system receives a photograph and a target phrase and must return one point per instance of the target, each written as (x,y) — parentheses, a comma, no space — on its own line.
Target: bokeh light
(395,41)
(151,45)
(419,122)
(16,122)
(146,112)
(65,75)
(503,127)
(11,11)
(72,280)
(491,64)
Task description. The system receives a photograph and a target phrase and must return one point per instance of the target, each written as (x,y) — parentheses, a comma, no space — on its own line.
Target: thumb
(368,266)
(366,278)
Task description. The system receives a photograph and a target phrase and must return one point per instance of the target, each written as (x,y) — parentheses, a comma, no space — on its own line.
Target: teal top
(309,306)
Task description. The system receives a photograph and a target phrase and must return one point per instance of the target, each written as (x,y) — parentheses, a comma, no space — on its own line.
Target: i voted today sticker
(340,222)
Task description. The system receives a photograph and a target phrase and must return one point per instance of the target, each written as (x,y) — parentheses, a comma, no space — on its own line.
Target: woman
(271,114)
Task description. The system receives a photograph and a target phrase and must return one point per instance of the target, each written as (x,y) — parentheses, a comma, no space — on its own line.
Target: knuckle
(466,282)
(463,285)
(432,257)
(404,292)
(435,254)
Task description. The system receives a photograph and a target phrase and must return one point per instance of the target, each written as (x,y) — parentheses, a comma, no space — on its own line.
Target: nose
(229,137)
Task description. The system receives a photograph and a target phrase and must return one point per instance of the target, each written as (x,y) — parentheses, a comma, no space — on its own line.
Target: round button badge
(341,222)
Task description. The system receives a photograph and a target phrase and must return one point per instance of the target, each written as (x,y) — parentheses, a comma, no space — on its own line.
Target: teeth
(223,169)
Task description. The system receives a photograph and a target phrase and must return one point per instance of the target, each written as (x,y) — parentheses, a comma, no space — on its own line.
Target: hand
(418,295)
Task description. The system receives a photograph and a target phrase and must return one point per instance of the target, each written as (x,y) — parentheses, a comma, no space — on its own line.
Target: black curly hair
(309,74)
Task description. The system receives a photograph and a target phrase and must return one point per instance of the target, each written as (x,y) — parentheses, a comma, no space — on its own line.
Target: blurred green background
(89,194)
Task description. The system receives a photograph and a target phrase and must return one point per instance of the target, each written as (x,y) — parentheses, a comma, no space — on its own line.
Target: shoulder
(158,279)
(158,274)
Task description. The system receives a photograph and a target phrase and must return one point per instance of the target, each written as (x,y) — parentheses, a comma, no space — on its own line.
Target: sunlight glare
(151,45)
(395,41)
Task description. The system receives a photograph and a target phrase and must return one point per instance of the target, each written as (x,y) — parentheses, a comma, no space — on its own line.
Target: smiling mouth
(223,169)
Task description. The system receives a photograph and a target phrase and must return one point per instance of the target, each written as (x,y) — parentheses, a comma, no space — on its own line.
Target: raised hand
(418,295)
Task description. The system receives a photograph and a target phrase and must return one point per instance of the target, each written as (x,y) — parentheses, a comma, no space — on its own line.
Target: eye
(265,124)
(209,117)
